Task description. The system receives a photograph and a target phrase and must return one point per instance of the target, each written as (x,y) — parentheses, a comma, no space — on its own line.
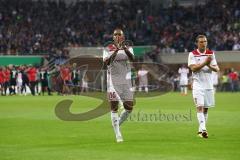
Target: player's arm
(197,67)
(129,54)
(109,60)
(213,65)
(214,68)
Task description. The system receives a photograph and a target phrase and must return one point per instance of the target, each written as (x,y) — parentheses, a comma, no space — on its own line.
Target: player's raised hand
(208,60)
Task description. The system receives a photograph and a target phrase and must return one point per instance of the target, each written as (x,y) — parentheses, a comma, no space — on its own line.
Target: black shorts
(13,82)
(6,84)
(67,82)
(44,83)
(75,82)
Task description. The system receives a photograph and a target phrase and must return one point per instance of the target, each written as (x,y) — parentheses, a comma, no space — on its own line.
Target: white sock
(146,89)
(134,88)
(124,115)
(185,90)
(115,123)
(181,89)
(199,129)
(206,117)
(201,121)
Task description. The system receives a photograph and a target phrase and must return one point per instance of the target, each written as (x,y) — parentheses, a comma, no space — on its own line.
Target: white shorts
(203,97)
(121,92)
(19,83)
(183,81)
(84,84)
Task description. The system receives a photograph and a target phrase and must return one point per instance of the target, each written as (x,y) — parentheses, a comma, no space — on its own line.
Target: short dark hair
(200,36)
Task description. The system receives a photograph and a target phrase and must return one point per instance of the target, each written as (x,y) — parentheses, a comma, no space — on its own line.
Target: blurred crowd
(35,80)
(47,27)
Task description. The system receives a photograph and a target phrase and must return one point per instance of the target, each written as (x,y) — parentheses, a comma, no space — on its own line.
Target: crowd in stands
(47,27)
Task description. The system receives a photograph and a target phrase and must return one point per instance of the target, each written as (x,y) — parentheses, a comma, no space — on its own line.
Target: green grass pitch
(29,130)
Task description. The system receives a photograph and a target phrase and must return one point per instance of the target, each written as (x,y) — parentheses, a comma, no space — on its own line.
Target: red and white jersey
(118,71)
(183,71)
(202,79)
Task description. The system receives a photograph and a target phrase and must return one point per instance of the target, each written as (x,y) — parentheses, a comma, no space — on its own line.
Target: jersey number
(112,95)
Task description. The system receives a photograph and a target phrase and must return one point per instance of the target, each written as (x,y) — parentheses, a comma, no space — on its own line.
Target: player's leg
(181,89)
(19,86)
(6,84)
(42,87)
(202,132)
(64,90)
(133,85)
(67,87)
(184,85)
(127,98)
(10,88)
(24,88)
(48,88)
(36,88)
(1,89)
(32,88)
(209,101)
(205,112)
(198,96)
(115,120)
(13,86)
(146,88)
(185,89)
(128,107)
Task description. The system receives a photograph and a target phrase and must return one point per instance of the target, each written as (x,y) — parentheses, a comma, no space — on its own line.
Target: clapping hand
(208,60)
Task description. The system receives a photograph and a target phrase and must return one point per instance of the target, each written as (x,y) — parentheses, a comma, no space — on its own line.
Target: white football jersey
(215,78)
(183,72)
(143,77)
(142,73)
(119,70)
(202,79)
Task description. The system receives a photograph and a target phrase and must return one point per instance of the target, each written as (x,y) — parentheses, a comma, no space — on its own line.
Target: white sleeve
(179,70)
(138,73)
(131,50)
(213,62)
(191,59)
(106,54)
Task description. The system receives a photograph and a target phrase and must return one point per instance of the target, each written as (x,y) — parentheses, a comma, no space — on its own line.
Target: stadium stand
(47,27)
